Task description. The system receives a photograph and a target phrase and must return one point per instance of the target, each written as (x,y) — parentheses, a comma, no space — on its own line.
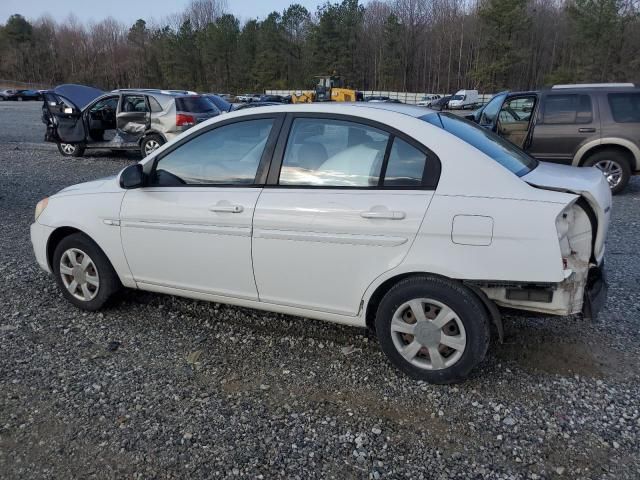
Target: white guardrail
(405,97)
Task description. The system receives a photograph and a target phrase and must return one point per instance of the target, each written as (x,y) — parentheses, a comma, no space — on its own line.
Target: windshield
(457,97)
(492,145)
(195,105)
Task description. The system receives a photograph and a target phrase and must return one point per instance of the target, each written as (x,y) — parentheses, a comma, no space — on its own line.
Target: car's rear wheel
(615,167)
(151,144)
(83,272)
(71,149)
(433,329)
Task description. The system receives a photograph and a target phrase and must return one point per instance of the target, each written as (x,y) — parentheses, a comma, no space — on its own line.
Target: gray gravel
(162,387)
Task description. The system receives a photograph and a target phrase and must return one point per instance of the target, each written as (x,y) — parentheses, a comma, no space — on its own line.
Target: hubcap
(150,146)
(611,171)
(428,334)
(68,148)
(79,274)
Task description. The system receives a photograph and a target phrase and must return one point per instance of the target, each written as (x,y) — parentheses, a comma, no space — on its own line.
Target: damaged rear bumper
(595,292)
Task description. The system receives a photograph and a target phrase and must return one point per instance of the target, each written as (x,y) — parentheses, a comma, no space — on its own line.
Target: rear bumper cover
(595,293)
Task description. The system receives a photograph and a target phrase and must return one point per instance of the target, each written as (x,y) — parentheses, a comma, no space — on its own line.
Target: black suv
(583,125)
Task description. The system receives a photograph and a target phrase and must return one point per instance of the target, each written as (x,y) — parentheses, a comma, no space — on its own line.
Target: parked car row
(20,95)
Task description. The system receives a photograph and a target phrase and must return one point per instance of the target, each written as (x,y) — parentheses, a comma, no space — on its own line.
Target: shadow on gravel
(541,350)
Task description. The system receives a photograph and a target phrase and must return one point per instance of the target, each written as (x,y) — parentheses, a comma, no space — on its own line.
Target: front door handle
(383,214)
(226,208)
(587,130)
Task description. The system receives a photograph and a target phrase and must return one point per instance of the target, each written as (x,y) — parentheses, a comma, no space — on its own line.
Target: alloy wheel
(150,146)
(79,274)
(68,148)
(611,171)
(428,334)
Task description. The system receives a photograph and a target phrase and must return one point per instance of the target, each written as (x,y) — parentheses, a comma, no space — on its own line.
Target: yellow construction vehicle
(329,88)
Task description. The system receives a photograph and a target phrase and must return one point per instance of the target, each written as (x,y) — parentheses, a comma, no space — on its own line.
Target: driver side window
(227,155)
(110,103)
(490,112)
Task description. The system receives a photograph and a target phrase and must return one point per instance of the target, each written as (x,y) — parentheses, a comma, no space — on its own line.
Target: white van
(464,99)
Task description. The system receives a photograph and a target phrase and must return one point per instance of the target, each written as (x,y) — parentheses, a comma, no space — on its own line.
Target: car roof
(339,107)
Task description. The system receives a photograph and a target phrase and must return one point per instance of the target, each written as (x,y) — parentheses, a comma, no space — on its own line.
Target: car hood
(585,181)
(79,95)
(105,184)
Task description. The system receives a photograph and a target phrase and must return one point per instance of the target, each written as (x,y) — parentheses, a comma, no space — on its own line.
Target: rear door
(565,122)
(344,201)
(133,117)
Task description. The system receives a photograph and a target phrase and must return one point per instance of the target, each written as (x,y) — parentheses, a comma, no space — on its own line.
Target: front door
(190,228)
(345,207)
(516,118)
(566,121)
(64,120)
(133,118)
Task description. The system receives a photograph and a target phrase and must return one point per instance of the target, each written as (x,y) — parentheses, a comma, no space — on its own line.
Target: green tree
(502,21)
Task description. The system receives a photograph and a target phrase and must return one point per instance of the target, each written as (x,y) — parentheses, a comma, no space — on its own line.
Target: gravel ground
(162,387)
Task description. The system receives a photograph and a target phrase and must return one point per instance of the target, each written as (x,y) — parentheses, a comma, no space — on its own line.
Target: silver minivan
(79,117)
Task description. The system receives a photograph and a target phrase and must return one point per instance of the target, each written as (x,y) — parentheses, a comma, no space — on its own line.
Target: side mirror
(132,177)
(471,117)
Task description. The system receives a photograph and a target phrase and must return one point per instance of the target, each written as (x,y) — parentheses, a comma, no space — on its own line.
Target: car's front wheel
(71,149)
(433,329)
(151,144)
(614,165)
(83,272)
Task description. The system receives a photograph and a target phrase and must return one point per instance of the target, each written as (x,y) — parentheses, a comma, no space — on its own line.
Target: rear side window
(155,105)
(134,103)
(333,153)
(567,109)
(405,167)
(625,107)
(195,105)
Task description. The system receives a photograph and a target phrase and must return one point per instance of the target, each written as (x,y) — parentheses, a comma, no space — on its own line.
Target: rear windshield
(492,145)
(625,107)
(195,105)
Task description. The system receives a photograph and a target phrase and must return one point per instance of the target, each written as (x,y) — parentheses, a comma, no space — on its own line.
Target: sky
(129,11)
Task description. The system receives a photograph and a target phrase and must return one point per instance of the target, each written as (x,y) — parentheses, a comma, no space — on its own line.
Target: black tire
(109,283)
(148,141)
(468,310)
(618,160)
(66,150)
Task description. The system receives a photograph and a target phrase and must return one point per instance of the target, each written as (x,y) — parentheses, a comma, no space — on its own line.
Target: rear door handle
(587,130)
(226,208)
(383,214)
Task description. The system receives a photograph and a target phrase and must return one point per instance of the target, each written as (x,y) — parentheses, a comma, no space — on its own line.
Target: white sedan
(413,223)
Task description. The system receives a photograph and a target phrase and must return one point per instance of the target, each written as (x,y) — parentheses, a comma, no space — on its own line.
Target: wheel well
(150,133)
(55,238)
(384,287)
(374,300)
(608,147)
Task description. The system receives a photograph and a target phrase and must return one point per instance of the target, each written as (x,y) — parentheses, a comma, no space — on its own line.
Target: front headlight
(42,204)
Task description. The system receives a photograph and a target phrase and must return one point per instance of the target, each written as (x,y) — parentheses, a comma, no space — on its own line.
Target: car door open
(133,118)
(344,202)
(190,228)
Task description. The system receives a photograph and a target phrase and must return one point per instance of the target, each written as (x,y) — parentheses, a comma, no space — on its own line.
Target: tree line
(399,45)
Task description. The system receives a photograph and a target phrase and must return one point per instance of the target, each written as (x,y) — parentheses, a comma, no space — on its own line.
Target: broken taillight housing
(184,120)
